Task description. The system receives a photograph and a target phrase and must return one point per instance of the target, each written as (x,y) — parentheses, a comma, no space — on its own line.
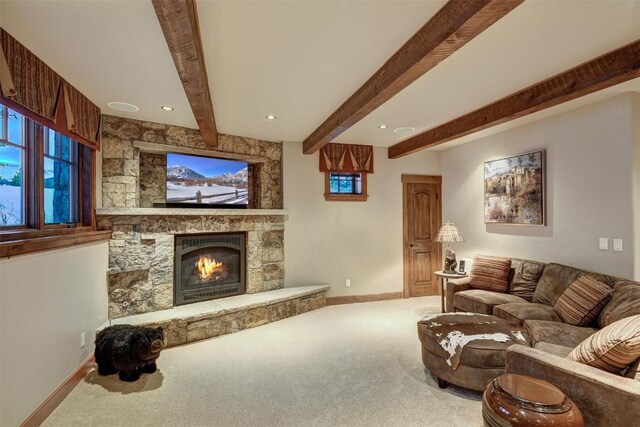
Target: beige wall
(328,242)
(47,300)
(589,192)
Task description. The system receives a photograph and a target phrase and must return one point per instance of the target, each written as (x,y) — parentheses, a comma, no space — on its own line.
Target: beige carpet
(347,365)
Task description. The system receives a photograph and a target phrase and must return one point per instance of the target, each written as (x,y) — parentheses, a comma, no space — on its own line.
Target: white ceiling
(537,40)
(111,50)
(301,59)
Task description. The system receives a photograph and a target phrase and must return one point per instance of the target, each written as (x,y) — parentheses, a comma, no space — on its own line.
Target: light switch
(617,245)
(604,244)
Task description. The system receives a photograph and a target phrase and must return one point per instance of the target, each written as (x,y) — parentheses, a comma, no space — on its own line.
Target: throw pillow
(582,301)
(490,273)
(612,348)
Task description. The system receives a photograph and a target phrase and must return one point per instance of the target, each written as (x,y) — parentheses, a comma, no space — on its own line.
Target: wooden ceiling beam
(615,67)
(458,22)
(179,22)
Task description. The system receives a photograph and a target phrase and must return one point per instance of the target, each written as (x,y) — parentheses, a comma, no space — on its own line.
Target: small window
(345,186)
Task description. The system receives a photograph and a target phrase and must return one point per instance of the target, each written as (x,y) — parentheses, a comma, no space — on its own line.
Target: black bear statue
(128,350)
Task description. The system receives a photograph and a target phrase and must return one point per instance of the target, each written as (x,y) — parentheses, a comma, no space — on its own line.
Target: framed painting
(514,190)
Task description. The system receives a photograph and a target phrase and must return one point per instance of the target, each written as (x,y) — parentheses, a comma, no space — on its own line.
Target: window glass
(11,168)
(60,179)
(15,127)
(345,183)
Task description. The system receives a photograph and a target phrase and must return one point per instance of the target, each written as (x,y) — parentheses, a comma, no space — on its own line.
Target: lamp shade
(449,234)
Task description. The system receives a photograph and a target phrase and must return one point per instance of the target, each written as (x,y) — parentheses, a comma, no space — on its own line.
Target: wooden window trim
(334,197)
(23,246)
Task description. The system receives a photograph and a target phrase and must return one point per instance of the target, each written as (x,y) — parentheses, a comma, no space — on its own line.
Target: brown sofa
(533,290)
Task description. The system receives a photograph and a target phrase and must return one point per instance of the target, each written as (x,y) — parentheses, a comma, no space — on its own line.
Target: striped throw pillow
(490,273)
(582,301)
(612,348)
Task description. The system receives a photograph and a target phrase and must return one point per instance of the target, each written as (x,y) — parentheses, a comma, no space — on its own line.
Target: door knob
(411,245)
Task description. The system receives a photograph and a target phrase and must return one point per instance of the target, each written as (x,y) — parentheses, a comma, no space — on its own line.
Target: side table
(443,278)
(519,400)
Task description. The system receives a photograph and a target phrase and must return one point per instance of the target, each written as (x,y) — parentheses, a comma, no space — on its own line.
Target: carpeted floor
(346,365)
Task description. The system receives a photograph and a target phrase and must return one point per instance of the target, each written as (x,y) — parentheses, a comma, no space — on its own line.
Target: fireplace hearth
(209,266)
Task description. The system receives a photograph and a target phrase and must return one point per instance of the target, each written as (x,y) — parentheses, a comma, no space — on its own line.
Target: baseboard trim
(45,409)
(351,299)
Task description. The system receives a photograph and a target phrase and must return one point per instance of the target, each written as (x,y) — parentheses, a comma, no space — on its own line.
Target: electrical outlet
(617,245)
(83,340)
(348,282)
(603,243)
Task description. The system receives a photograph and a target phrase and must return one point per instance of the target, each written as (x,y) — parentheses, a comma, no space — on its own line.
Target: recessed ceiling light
(123,106)
(404,130)
(167,108)
(270,117)
(383,126)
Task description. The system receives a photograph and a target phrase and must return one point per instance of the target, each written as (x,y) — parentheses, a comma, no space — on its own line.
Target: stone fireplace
(153,251)
(209,266)
(144,272)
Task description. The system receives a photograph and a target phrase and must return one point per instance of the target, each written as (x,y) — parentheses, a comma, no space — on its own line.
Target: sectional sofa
(534,288)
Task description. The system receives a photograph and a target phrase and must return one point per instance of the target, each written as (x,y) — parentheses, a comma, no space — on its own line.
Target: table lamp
(449,234)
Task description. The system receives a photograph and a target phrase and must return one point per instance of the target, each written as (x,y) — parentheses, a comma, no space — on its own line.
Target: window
(25,144)
(60,179)
(345,186)
(46,181)
(12,160)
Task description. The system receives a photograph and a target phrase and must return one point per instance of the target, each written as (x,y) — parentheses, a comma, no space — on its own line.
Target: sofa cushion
(582,301)
(624,302)
(518,312)
(556,333)
(558,350)
(556,278)
(526,275)
(613,348)
(490,273)
(481,301)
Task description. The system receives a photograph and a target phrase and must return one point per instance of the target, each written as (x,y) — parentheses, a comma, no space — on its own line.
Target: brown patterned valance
(30,82)
(346,158)
(31,87)
(83,116)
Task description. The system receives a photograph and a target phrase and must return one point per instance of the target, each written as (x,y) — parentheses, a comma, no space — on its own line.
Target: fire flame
(208,267)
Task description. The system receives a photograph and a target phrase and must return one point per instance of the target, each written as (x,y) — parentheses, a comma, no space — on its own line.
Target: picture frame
(514,190)
(461,267)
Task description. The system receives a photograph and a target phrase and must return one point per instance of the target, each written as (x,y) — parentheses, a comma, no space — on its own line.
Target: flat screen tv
(196,181)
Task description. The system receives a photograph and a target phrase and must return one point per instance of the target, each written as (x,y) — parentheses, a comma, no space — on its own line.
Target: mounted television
(196,181)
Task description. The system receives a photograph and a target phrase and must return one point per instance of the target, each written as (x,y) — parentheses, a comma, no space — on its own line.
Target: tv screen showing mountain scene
(206,180)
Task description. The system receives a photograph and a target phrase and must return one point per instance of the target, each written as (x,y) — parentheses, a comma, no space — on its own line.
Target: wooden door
(422,219)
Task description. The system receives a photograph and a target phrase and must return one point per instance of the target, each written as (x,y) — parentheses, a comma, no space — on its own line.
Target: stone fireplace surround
(140,277)
(141,251)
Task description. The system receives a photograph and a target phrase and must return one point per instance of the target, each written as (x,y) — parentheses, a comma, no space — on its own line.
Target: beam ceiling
(179,22)
(458,22)
(615,67)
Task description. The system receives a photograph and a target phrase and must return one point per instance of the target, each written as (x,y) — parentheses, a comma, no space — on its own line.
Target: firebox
(209,266)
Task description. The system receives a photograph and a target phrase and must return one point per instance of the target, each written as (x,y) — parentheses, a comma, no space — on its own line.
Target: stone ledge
(194,322)
(188,212)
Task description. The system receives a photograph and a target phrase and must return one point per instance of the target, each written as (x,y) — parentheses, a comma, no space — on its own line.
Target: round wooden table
(519,400)
(443,278)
